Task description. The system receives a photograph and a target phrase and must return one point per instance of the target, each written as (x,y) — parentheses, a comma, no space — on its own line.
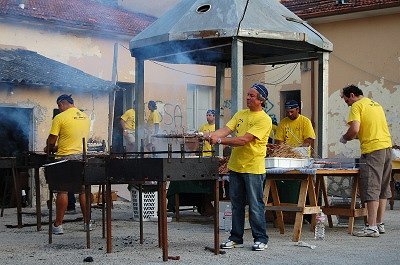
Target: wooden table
(307,190)
(310,191)
(330,210)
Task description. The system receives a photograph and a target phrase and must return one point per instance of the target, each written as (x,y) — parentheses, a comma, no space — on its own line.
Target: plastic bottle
(228,218)
(320,226)
(24,199)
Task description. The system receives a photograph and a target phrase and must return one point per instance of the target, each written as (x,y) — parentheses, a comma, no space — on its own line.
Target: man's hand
(342,140)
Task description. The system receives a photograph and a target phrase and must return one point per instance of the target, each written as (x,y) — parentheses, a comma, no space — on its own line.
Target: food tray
(285,162)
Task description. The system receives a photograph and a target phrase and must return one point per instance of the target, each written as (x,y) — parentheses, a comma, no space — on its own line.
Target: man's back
(70,126)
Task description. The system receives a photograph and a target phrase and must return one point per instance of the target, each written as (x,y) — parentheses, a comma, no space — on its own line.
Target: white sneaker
(367,232)
(381,228)
(230,244)
(57,230)
(258,246)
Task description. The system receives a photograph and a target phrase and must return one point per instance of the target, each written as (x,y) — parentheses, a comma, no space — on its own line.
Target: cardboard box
(98,199)
(222,207)
(284,162)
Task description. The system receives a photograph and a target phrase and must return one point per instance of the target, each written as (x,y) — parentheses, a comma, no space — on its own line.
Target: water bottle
(24,199)
(320,226)
(228,218)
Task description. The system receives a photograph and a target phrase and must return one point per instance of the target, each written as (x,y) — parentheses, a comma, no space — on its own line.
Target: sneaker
(230,244)
(367,232)
(57,230)
(258,246)
(91,226)
(381,228)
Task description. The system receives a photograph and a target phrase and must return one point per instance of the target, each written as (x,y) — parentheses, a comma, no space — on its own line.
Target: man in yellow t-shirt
(247,166)
(367,122)
(128,129)
(207,128)
(67,130)
(154,118)
(295,129)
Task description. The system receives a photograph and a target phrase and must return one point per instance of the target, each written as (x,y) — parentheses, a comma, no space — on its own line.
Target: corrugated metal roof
(80,14)
(277,30)
(27,67)
(321,8)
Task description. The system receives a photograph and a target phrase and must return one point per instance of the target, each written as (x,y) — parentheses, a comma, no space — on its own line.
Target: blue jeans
(247,188)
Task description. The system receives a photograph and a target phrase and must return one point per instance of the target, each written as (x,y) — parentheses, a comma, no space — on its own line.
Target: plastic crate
(284,162)
(149,201)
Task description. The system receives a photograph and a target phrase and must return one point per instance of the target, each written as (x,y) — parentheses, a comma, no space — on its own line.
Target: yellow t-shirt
(70,126)
(129,118)
(250,158)
(154,117)
(207,146)
(294,133)
(374,132)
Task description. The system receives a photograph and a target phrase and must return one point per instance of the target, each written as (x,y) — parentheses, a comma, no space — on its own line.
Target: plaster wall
(366,54)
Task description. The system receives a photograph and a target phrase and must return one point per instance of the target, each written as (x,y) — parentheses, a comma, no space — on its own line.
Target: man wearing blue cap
(252,127)
(67,130)
(295,129)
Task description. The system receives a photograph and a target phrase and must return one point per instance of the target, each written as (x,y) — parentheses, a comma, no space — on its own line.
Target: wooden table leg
(18,193)
(298,225)
(108,219)
(88,213)
(353,203)
(392,189)
(216,217)
(163,211)
(276,202)
(313,200)
(50,216)
(177,216)
(140,206)
(326,199)
(38,205)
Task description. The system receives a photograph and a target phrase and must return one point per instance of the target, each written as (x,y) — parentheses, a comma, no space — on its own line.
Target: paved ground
(188,239)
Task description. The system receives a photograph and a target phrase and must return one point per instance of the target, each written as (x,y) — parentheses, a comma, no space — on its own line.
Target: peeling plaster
(337,117)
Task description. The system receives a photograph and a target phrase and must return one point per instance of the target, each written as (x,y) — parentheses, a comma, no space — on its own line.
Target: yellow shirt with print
(250,158)
(207,146)
(129,118)
(374,132)
(70,126)
(294,132)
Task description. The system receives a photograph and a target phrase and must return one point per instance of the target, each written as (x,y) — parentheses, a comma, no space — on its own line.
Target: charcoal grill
(139,169)
(25,161)
(70,176)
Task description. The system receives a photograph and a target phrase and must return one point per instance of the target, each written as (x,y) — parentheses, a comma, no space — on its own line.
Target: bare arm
(308,142)
(51,144)
(219,136)
(352,131)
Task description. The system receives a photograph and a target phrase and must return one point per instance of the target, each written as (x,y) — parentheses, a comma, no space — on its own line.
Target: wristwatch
(218,140)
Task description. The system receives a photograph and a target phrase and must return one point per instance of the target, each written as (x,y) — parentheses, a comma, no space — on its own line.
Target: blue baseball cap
(65,97)
(211,111)
(291,104)
(261,89)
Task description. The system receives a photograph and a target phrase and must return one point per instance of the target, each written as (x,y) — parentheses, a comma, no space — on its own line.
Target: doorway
(16,134)
(199,100)
(289,95)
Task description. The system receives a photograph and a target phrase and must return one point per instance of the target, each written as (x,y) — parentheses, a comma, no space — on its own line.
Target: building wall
(366,53)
